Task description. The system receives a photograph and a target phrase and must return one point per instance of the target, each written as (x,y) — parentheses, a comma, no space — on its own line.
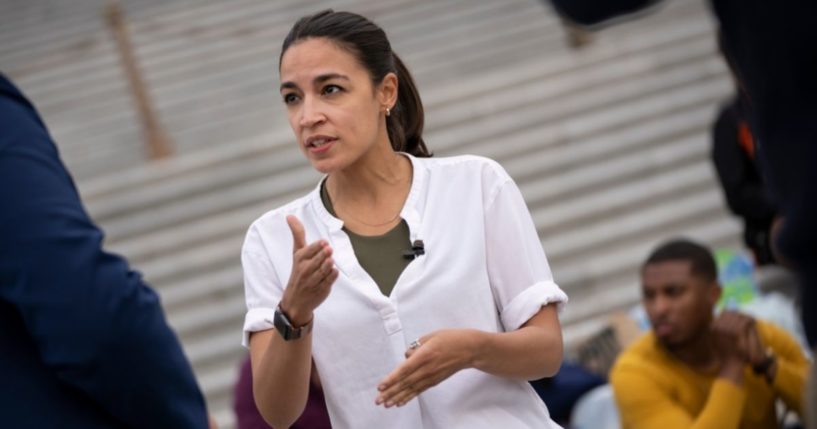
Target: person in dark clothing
(314,416)
(84,341)
(771,52)
(733,153)
(562,391)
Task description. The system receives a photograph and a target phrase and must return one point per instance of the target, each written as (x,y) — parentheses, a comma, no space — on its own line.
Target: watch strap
(762,367)
(286,329)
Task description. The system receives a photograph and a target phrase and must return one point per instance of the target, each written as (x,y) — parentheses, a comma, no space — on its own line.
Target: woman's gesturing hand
(430,360)
(313,273)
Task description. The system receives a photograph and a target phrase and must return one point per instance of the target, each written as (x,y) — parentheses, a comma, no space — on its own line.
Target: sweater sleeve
(792,366)
(644,403)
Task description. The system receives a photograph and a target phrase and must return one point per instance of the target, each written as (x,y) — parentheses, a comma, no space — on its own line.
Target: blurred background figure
(693,369)
(733,153)
(315,416)
(763,44)
(563,391)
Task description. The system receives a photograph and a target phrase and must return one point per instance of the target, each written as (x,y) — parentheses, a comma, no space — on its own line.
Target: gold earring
(388,112)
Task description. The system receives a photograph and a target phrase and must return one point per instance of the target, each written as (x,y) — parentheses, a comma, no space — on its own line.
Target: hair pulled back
(369,45)
(702,263)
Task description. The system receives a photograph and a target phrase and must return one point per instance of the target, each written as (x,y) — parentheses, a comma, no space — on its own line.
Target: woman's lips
(320,145)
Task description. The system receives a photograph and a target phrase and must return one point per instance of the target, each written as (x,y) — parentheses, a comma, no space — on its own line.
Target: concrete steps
(539,111)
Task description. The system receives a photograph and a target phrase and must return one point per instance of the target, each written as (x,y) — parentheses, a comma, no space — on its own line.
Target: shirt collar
(411,208)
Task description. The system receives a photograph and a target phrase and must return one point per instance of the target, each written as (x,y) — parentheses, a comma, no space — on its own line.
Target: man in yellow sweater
(698,370)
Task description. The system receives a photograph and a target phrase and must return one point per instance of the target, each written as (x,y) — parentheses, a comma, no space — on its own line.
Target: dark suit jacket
(83,341)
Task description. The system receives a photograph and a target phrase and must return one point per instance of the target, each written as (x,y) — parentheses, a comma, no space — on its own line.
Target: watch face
(282,325)
(285,328)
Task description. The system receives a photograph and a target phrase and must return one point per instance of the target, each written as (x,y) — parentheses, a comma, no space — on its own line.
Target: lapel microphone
(417,249)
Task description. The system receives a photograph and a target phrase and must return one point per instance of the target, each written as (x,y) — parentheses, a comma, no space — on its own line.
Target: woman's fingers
(312,274)
(309,252)
(412,384)
(330,278)
(315,266)
(400,389)
(309,259)
(309,265)
(326,268)
(316,273)
(405,394)
(410,378)
(394,380)
(416,384)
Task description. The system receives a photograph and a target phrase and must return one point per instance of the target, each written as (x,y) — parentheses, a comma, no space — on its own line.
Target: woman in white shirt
(418,285)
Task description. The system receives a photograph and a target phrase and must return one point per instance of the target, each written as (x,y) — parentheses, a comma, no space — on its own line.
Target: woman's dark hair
(368,44)
(702,263)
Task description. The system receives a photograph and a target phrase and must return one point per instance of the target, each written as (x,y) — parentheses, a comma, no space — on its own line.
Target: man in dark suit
(83,341)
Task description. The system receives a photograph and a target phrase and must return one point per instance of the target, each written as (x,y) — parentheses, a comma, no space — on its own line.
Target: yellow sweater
(655,390)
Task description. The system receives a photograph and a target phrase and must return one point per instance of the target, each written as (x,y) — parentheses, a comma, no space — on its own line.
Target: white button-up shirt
(483,268)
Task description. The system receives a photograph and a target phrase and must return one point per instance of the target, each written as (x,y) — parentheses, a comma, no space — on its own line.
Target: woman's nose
(310,113)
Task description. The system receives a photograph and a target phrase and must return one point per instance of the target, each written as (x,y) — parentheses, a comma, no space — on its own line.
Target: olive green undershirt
(380,255)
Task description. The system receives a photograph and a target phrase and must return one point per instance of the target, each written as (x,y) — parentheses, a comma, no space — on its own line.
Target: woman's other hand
(531,352)
(430,360)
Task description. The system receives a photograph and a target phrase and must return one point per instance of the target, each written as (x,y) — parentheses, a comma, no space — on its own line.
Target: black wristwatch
(285,328)
(762,368)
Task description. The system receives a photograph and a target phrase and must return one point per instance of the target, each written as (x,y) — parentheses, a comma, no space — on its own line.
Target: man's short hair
(702,263)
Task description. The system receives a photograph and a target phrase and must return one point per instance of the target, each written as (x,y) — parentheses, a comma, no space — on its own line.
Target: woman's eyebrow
(318,80)
(328,76)
(288,85)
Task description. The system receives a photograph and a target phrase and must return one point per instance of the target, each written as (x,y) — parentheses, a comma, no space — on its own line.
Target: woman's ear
(387,91)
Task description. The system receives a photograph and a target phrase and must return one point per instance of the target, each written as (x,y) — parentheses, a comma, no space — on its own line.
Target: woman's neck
(370,180)
(369,195)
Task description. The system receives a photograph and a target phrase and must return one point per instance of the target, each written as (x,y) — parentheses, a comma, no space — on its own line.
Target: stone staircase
(608,143)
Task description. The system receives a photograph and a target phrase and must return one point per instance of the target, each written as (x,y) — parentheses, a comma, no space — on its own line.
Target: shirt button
(392,324)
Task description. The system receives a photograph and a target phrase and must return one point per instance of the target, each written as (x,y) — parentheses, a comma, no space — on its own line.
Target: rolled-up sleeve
(519,273)
(262,287)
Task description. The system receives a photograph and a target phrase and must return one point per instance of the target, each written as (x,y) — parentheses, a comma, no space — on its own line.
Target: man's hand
(749,345)
(737,343)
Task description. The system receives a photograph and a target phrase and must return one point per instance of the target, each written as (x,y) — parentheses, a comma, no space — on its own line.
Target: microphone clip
(417,249)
